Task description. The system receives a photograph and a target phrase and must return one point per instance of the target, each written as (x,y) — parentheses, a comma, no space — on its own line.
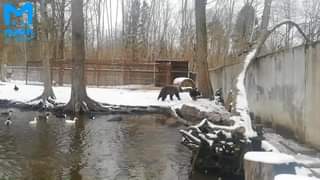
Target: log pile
(217,148)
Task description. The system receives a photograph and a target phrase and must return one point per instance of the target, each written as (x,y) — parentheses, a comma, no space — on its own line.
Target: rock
(220,118)
(193,114)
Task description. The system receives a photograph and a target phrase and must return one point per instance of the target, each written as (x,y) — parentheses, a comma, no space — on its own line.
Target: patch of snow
(293,177)
(307,161)
(212,136)
(303,171)
(268,147)
(269,157)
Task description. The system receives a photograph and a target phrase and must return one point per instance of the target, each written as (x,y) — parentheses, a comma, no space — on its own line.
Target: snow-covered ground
(133,95)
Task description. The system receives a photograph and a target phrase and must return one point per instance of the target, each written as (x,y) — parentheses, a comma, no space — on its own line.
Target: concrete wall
(283,88)
(312,96)
(225,78)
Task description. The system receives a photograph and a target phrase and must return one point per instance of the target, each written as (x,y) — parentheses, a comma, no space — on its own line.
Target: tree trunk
(266,165)
(53,31)
(79,101)
(4,64)
(265,17)
(61,30)
(46,72)
(203,80)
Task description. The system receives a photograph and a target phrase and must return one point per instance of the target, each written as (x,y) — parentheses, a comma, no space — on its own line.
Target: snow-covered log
(266,165)
(184,83)
(293,177)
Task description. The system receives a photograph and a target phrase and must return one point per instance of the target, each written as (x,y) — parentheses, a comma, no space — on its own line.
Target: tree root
(85,105)
(44,99)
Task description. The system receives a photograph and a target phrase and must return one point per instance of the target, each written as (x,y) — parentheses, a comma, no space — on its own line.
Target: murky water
(139,147)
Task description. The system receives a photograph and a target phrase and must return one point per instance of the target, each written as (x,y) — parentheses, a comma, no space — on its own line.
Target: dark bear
(169,90)
(194,93)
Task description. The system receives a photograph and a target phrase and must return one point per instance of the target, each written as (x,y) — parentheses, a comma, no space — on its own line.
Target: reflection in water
(76,150)
(9,156)
(139,147)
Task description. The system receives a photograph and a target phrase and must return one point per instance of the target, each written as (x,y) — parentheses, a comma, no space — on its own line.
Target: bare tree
(203,80)
(4,50)
(4,61)
(46,72)
(63,26)
(244,27)
(311,11)
(79,101)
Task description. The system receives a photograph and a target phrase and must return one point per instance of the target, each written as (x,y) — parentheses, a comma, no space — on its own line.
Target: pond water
(139,147)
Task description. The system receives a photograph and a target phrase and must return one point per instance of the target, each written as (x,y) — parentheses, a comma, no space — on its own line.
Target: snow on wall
(241,106)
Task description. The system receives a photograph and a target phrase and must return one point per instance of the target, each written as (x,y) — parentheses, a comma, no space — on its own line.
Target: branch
(288,23)
(67,26)
(265,35)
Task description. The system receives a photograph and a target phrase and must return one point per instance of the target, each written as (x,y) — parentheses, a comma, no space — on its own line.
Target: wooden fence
(97,73)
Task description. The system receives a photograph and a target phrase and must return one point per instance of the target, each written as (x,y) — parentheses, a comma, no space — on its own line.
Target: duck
(92,116)
(47,115)
(71,121)
(34,121)
(8,122)
(16,88)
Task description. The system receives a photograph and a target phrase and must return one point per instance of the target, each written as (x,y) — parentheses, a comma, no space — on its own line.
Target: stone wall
(283,89)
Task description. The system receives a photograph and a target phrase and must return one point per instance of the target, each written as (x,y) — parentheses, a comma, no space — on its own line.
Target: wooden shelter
(167,70)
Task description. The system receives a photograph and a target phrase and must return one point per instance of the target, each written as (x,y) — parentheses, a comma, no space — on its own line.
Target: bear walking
(169,90)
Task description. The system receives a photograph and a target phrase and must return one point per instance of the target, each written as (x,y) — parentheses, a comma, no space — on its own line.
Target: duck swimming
(34,121)
(8,122)
(92,116)
(69,121)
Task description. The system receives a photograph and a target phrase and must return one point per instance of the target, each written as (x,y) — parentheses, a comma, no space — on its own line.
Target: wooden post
(61,73)
(169,74)
(27,69)
(95,74)
(98,76)
(266,165)
(154,74)
(51,70)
